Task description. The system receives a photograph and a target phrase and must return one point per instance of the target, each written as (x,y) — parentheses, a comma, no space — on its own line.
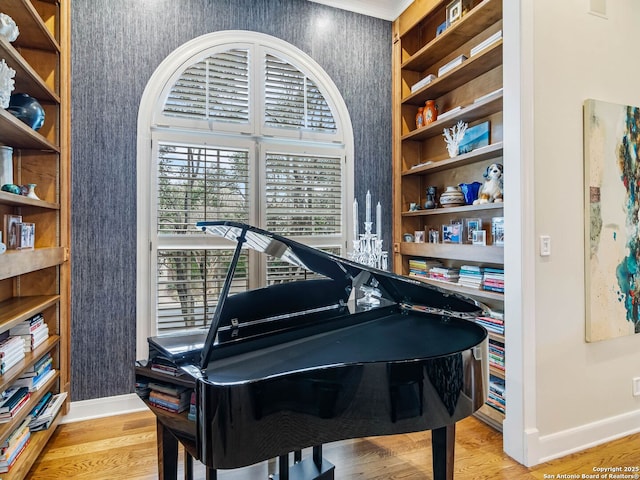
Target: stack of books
(451,65)
(38,375)
(486,43)
(495,325)
(192,408)
(34,331)
(142,388)
(11,353)
(14,445)
(470,276)
(419,267)
(164,365)
(445,274)
(496,355)
(13,399)
(496,397)
(173,398)
(493,280)
(45,411)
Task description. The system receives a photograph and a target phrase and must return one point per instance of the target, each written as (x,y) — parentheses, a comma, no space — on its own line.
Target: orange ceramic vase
(430,112)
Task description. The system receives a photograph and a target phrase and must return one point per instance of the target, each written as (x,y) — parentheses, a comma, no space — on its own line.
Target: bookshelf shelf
(454,287)
(29,359)
(17,309)
(443,164)
(22,201)
(451,251)
(19,262)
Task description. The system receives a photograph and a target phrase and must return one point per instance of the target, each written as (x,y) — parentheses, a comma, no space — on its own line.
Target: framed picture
(472,224)
(479,237)
(418,236)
(452,233)
(441,28)
(497,230)
(454,12)
(27,234)
(11,231)
(434,235)
(474,137)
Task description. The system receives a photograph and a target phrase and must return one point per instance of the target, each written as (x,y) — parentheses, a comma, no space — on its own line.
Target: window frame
(152,128)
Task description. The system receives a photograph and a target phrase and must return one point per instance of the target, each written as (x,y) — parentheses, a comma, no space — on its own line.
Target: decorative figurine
(430,203)
(453,136)
(491,190)
(6,83)
(8,28)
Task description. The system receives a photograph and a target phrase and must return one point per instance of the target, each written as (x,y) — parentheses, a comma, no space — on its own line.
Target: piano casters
(314,468)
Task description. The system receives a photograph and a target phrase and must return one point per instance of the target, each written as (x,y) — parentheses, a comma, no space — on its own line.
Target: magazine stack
(11,353)
(14,445)
(33,331)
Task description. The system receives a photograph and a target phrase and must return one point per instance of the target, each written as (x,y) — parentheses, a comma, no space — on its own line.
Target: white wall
(583,393)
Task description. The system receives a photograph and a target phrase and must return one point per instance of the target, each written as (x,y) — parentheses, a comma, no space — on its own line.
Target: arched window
(241,126)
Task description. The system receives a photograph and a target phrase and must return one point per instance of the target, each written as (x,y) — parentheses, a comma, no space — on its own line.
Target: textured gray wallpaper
(116,46)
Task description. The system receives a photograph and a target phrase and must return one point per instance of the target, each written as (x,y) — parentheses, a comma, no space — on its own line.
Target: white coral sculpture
(453,137)
(6,83)
(8,28)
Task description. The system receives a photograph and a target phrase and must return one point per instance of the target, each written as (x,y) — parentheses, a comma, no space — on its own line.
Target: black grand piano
(347,352)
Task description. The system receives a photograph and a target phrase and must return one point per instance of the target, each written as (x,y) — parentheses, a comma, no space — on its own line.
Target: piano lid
(332,287)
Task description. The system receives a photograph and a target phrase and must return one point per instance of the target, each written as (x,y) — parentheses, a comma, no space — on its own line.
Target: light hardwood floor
(124,447)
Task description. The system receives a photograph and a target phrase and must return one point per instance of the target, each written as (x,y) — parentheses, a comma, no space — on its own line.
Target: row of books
(14,445)
(20,339)
(496,397)
(420,267)
(493,280)
(495,325)
(170,397)
(14,398)
(39,418)
(11,352)
(43,414)
(496,354)
(470,276)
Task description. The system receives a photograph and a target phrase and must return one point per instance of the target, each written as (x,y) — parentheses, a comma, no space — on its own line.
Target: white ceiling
(385,9)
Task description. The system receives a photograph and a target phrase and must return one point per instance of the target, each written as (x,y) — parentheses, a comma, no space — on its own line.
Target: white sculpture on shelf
(453,136)
(8,28)
(6,83)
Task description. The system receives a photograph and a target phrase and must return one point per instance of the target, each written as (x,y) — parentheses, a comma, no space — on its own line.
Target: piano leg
(443,442)
(314,468)
(167,453)
(188,466)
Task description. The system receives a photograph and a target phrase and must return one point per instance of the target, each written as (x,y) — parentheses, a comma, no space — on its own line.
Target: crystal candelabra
(367,247)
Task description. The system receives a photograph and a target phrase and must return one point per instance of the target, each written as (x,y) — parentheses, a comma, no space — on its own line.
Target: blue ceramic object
(470,191)
(26,109)
(11,188)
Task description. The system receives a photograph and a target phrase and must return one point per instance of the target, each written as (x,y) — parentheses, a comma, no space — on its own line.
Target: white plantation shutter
(303,194)
(242,132)
(199,183)
(216,88)
(189,284)
(292,100)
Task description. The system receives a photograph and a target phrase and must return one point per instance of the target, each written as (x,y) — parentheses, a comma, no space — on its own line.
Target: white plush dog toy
(491,190)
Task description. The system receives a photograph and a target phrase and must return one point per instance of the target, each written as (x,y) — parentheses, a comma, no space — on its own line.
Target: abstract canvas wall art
(612,226)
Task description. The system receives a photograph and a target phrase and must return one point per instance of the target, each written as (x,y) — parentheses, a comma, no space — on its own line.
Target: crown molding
(384,9)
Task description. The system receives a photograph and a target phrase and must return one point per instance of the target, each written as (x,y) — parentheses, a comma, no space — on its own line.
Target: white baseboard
(573,440)
(103,407)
